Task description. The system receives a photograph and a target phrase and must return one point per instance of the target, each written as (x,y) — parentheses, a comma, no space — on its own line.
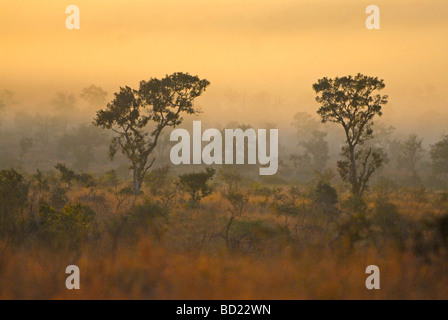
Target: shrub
(286,204)
(231,177)
(251,235)
(325,197)
(110,179)
(157,179)
(13,198)
(196,185)
(238,204)
(442,225)
(354,204)
(144,218)
(161,186)
(70,225)
(68,176)
(58,196)
(354,226)
(388,223)
(148,217)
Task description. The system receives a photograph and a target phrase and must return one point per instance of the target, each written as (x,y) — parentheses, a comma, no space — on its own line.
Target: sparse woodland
(139,227)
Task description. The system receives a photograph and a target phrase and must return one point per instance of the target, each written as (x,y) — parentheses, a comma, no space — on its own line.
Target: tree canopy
(353,102)
(159,103)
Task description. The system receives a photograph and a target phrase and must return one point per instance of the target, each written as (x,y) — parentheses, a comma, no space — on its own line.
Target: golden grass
(151,272)
(176,266)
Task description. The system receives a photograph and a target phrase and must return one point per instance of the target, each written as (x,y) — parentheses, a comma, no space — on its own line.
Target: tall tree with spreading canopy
(158,103)
(353,102)
(439,157)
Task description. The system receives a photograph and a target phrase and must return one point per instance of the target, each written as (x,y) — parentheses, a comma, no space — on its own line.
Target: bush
(161,186)
(354,204)
(147,211)
(157,180)
(110,179)
(68,176)
(354,227)
(442,225)
(70,225)
(13,198)
(58,196)
(196,185)
(325,197)
(251,235)
(389,224)
(143,218)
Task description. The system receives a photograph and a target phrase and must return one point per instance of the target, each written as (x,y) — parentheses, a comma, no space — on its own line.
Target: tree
(304,123)
(94,95)
(439,157)
(64,102)
(80,144)
(161,185)
(157,102)
(316,152)
(13,197)
(68,176)
(410,154)
(69,225)
(353,102)
(312,140)
(196,185)
(325,197)
(238,204)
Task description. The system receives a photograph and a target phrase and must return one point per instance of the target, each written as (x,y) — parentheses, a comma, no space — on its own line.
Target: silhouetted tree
(80,145)
(304,123)
(160,102)
(411,152)
(353,102)
(196,185)
(439,157)
(64,102)
(95,96)
(13,198)
(68,176)
(313,142)
(238,203)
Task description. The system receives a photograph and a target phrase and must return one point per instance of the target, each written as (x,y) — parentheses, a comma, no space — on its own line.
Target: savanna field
(223,150)
(338,195)
(244,240)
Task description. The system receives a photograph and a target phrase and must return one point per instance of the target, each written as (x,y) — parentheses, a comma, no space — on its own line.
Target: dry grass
(189,260)
(150,272)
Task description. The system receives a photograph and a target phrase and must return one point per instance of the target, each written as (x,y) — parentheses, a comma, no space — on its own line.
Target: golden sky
(271,47)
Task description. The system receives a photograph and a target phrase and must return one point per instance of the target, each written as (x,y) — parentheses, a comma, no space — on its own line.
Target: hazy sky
(275,48)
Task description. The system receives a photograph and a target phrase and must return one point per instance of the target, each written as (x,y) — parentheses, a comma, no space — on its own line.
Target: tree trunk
(137,182)
(229,224)
(354,172)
